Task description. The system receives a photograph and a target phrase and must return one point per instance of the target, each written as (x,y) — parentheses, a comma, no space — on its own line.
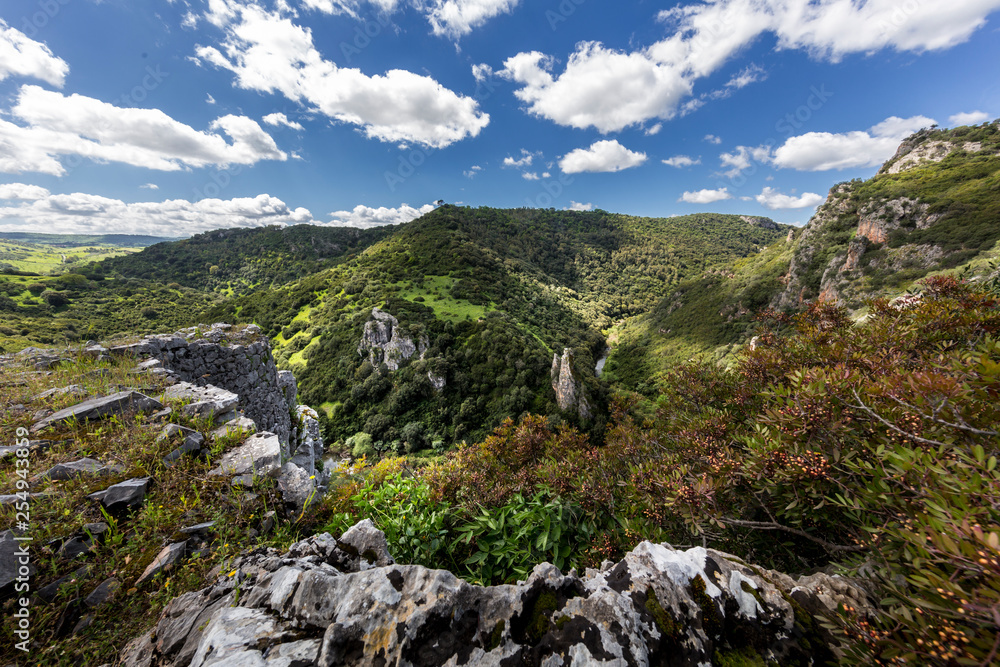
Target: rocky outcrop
(345,602)
(837,204)
(569,390)
(911,154)
(759,221)
(384,343)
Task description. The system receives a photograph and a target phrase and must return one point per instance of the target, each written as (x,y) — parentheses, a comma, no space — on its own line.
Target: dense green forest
(495,294)
(240,260)
(488,295)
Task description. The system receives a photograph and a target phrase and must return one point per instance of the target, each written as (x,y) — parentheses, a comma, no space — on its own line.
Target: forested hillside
(240,260)
(933,208)
(488,297)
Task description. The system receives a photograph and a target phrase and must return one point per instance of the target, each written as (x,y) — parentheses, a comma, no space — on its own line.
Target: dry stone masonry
(238,361)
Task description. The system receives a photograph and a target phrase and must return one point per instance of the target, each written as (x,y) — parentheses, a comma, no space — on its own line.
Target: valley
(483,390)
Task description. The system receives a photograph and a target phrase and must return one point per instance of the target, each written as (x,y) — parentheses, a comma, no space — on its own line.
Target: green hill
(240,260)
(933,208)
(493,295)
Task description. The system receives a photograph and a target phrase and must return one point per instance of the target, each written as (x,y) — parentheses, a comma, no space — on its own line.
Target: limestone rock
(437,381)
(64,471)
(260,455)
(383,341)
(72,390)
(122,498)
(297,486)
(656,606)
(288,387)
(207,401)
(167,557)
(123,402)
(244,424)
(569,390)
(369,542)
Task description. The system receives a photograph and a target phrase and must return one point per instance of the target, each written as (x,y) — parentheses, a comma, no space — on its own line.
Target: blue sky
(171,117)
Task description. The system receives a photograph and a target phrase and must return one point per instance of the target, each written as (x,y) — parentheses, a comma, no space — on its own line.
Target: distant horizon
(11,235)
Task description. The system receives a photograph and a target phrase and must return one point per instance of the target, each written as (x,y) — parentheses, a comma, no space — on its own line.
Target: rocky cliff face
(384,343)
(345,602)
(837,204)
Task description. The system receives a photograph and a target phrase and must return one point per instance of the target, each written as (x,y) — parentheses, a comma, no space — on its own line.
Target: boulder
(367,541)
(319,604)
(260,455)
(169,555)
(205,401)
(123,402)
(297,486)
(64,471)
(241,423)
(383,342)
(123,498)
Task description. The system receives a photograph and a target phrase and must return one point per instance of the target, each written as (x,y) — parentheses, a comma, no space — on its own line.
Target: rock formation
(569,390)
(384,342)
(345,602)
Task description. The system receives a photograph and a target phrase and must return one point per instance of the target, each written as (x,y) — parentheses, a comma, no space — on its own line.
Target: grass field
(49,260)
(436,294)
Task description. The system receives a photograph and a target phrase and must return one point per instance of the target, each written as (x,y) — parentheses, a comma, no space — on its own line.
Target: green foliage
(872,445)
(241,260)
(508,541)
(403,508)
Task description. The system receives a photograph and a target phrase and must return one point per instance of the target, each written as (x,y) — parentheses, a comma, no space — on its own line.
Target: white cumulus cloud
(743,158)
(448,18)
(774,200)
(365,216)
(970,118)
(602,156)
(821,151)
(705,196)
(23,191)
(679,161)
(23,56)
(611,89)
(56,125)
(82,213)
(577,206)
(519,163)
(277,118)
(268,52)
(455,18)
